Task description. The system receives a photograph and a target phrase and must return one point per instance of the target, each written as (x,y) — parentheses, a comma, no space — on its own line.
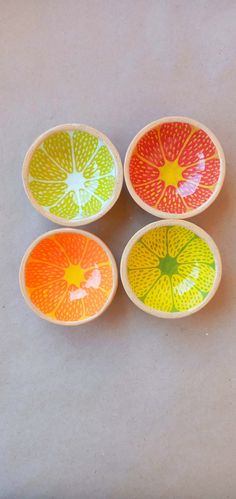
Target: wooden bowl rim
(154,211)
(199,232)
(74,231)
(118,176)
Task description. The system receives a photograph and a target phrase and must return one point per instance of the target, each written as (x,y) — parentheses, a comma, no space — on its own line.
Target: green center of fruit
(168,265)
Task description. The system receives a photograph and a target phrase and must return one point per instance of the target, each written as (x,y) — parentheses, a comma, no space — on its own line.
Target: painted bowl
(68,276)
(72,174)
(171,268)
(174,167)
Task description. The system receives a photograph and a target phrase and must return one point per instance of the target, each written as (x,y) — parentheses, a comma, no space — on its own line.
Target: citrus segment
(141,172)
(71,307)
(85,146)
(151,192)
(177,238)
(76,281)
(149,148)
(73,245)
(47,250)
(174,168)
(46,298)
(159,296)
(204,173)
(185,294)
(72,175)
(43,168)
(142,257)
(197,250)
(93,255)
(171,201)
(170,268)
(67,207)
(199,146)
(47,193)
(156,241)
(173,137)
(58,146)
(201,273)
(39,274)
(142,280)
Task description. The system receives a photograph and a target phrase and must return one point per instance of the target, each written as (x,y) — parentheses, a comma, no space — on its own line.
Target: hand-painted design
(68,277)
(175,167)
(171,269)
(72,174)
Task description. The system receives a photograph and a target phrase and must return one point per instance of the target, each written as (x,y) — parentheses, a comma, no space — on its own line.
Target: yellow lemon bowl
(171,268)
(174,167)
(68,276)
(72,174)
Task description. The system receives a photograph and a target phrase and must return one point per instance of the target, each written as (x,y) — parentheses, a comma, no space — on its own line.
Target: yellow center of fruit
(171,173)
(74,274)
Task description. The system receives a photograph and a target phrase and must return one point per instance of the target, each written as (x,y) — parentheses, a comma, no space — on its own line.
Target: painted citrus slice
(174,167)
(72,173)
(171,268)
(68,276)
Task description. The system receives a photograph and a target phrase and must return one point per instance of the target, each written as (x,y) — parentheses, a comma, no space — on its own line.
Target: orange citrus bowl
(68,276)
(174,167)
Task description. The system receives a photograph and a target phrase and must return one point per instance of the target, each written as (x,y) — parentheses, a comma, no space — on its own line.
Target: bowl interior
(171,269)
(68,277)
(72,175)
(174,168)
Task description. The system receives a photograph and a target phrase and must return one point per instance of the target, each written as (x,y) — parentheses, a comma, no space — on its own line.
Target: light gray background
(129,406)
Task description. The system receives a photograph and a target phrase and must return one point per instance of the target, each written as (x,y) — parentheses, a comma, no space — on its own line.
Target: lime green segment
(171,269)
(85,146)
(43,168)
(59,147)
(103,188)
(67,207)
(102,164)
(72,174)
(47,193)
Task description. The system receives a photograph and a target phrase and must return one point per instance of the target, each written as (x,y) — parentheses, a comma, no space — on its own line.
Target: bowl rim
(194,211)
(118,177)
(199,232)
(74,231)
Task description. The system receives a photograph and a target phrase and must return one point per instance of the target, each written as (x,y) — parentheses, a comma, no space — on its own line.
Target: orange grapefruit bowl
(174,167)
(68,276)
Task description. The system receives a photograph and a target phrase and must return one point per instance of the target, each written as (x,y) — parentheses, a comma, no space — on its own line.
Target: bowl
(171,268)
(68,276)
(72,174)
(174,167)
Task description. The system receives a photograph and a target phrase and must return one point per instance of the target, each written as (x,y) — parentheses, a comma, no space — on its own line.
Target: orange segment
(171,202)
(48,251)
(94,301)
(94,254)
(71,308)
(99,277)
(73,245)
(141,172)
(48,297)
(39,274)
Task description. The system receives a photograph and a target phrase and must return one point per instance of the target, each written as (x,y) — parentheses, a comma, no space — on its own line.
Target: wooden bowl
(72,174)
(174,167)
(68,276)
(171,268)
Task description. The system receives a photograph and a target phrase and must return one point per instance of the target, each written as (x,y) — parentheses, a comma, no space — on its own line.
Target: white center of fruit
(75,181)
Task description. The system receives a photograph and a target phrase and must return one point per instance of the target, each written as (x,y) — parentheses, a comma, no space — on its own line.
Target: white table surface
(129,406)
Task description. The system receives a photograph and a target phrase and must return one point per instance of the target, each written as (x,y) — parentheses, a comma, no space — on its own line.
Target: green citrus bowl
(72,174)
(171,268)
